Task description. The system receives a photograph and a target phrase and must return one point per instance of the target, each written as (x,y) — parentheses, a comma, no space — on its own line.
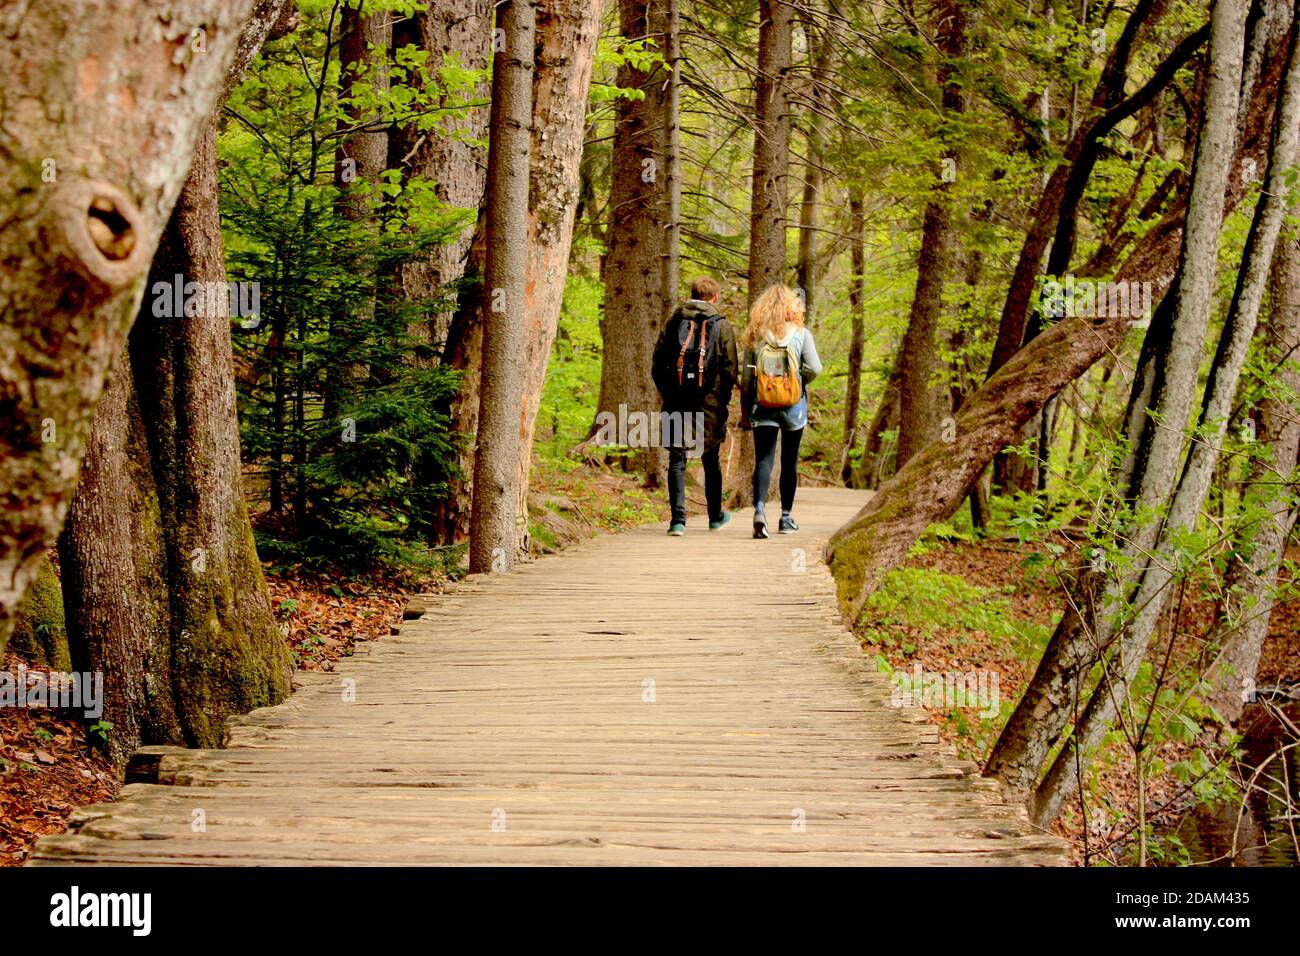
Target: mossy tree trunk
(40,633)
(165,592)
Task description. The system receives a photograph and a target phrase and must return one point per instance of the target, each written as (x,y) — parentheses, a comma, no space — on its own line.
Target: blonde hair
(771,312)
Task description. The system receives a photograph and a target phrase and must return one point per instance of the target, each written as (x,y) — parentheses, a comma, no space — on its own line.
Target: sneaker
(787,525)
(725,519)
(760,526)
(677,529)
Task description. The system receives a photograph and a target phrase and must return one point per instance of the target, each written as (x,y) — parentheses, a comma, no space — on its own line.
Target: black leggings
(765,437)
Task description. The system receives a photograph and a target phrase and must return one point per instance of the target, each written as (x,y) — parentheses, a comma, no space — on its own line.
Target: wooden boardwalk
(638,699)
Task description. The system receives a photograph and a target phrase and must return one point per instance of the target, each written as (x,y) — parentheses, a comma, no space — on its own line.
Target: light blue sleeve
(810,362)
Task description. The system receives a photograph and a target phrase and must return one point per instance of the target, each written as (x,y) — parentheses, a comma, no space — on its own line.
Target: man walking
(695,371)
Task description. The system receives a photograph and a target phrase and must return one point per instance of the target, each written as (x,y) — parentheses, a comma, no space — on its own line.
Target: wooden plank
(523,700)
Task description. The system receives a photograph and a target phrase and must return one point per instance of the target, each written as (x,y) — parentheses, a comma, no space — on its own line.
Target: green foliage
(572,388)
(345,410)
(922,602)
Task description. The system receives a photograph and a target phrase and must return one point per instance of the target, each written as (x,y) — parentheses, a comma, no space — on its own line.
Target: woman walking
(780,359)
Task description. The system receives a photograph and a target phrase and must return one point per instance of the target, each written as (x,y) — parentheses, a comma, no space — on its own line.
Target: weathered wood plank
(636,700)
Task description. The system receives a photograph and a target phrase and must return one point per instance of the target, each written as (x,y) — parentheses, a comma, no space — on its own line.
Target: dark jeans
(677,482)
(765,437)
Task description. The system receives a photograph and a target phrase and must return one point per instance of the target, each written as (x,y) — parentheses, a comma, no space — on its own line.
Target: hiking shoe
(787,526)
(677,529)
(725,519)
(760,526)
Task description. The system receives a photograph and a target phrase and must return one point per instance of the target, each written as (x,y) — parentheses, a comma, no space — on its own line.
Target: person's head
(706,289)
(772,313)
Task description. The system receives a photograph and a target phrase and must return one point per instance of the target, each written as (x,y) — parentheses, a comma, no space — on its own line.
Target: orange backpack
(776,369)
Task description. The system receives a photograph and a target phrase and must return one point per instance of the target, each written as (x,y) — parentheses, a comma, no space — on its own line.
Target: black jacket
(715,403)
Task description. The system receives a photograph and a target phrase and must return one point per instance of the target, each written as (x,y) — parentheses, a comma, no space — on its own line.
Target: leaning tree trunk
(635,295)
(566,47)
(1084,630)
(505,297)
(933,485)
(184,627)
(119,81)
(1252,576)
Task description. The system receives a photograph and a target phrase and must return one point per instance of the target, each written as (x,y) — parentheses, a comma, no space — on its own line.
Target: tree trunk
(635,282)
(673,154)
(120,81)
(359,160)
(186,629)
(1252,576)
(857,302)
(1160,465)
(768,198)
(566,46)
(806,272)
(505,300)
(767,220)
(452,155)
(923,402)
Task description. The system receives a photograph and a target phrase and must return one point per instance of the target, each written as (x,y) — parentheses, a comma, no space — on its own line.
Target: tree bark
(120,81)
(857,302)
(183,632)
(636,289)
(1159,467)
(1269,495)
(505,298)
(451,156)
(767,220)
(923,402)
(567,31)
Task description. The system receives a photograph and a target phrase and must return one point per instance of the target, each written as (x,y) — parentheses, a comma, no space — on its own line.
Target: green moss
(40,633)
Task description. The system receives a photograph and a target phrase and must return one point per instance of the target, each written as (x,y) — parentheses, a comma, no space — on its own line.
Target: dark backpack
(692,368)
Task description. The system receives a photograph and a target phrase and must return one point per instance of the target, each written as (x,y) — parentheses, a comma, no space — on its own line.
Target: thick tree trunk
(566,47)
(359,160)
(120,81)
(451,156)
(505,300)
(768,200)
(1252,576)
(635,305)
(183,630)
(1046,705)
(673,153)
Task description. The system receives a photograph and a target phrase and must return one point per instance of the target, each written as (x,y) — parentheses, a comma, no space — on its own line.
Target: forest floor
(971,606)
